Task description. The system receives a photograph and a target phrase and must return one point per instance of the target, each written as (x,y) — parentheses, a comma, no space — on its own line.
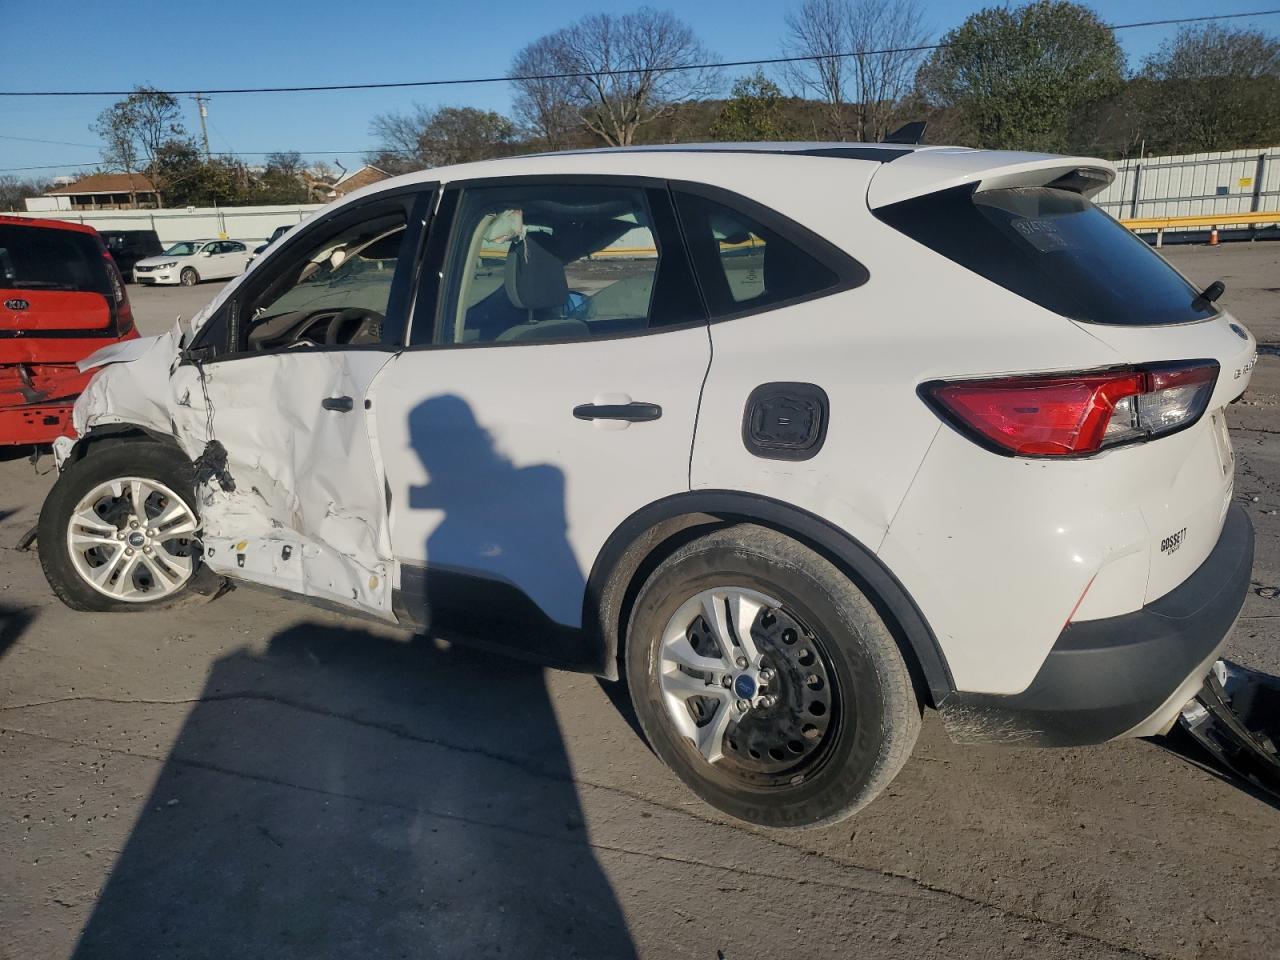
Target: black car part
(1236,718)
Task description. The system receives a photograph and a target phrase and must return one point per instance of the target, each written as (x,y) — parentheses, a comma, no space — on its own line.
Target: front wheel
(188,277)
(119,529)
(767,681)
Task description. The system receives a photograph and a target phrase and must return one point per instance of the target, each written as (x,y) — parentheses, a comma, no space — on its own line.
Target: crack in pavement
(533,770)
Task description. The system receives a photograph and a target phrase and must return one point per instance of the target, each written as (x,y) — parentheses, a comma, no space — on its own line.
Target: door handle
(340,404)
(635,412)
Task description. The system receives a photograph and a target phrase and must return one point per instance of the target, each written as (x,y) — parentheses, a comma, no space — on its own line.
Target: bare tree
(845,72)
(136,130)
(431,137)
(13,190)
(544,99)
(398,136)
(818,29)
(627,70)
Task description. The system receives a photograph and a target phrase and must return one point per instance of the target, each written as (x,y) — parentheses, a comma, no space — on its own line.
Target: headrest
(534,277)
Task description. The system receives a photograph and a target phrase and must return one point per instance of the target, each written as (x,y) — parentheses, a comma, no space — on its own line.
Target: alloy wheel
(749,685)
(133,539)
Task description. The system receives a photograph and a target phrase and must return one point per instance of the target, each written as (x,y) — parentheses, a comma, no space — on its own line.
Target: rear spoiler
(931,169)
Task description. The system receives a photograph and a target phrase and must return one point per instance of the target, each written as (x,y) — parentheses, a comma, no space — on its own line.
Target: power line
(769,61)
(60,143)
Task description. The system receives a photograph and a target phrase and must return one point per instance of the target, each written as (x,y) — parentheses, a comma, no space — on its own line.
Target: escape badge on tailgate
(1171,543)
(1246,368)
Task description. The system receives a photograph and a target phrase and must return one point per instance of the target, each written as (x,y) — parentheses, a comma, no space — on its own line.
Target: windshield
(1054,248)
(354,269)
(185,248)
(34,258)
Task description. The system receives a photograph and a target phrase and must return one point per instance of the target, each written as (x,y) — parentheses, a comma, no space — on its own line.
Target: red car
(61,298)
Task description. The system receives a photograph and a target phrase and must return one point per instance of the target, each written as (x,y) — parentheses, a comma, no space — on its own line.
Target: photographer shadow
(352,793)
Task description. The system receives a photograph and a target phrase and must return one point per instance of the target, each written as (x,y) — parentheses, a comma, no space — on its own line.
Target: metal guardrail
(1160,224)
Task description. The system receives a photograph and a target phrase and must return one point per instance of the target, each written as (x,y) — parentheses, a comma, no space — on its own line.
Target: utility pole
(201,100)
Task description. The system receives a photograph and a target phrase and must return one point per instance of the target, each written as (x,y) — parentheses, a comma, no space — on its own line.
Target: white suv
(798,438)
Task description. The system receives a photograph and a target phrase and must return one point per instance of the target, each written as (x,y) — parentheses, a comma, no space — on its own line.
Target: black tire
(142,459)
(189,277)
(875,713)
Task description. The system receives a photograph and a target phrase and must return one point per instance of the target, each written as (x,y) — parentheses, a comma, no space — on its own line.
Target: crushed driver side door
(291,489)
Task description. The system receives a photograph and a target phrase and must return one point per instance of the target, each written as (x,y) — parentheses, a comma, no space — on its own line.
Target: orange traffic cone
(1213,237)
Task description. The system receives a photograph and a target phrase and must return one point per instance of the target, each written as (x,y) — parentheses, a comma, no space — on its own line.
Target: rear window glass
(1054,248)
(36,258)
(741,263)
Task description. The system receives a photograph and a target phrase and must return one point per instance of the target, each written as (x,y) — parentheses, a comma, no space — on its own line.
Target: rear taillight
(121,311)
(1063,415)
(117,281)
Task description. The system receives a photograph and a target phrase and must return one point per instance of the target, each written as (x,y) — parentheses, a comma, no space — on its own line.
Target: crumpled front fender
(139,383)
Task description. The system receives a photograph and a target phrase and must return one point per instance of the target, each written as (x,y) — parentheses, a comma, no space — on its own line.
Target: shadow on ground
(13,624)
(338,797)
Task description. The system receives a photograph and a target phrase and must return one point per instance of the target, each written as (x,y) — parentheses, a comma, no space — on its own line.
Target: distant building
(356,179)
(100,191)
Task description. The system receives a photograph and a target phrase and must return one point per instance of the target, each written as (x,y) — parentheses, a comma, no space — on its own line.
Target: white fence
(1231,181)
(183,223)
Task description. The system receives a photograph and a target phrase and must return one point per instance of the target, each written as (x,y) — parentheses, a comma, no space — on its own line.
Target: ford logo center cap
(744,687)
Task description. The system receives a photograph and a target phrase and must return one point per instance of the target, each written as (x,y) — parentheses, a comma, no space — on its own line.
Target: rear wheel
(767,681)
(189,277)
(119,530)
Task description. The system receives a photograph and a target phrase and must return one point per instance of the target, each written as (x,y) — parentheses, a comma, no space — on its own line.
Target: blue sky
(55,45)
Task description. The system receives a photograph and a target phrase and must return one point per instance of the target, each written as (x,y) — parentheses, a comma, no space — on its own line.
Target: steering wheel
(354,325)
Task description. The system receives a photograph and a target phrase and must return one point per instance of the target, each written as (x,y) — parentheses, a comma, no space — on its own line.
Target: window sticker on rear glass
(1044,235)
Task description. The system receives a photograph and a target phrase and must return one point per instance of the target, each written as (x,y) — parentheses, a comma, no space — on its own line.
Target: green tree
(754,111)
(1017,78)
(193,181)
(281,180)
(1211,88)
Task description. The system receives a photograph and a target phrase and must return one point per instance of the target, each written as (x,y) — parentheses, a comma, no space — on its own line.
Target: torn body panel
(299,503)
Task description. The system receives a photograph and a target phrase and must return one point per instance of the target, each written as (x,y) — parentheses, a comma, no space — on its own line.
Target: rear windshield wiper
(1208,295)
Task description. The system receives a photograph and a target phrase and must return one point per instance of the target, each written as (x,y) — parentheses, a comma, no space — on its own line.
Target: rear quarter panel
(919,317)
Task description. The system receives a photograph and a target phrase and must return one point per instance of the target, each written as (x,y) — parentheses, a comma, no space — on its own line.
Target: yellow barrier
(1160,224)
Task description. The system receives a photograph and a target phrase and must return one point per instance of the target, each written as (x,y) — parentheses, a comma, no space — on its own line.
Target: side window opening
(333,291)
(542,262)
(744,264)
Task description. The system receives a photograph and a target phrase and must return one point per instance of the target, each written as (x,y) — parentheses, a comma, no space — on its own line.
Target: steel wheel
(749,685)
(132,539)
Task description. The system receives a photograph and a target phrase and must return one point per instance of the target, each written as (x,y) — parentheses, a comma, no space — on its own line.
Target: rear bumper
(34,423)
(36,398)
(1120,675)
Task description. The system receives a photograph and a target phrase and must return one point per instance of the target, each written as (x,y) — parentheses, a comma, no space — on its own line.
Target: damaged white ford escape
(799,439)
